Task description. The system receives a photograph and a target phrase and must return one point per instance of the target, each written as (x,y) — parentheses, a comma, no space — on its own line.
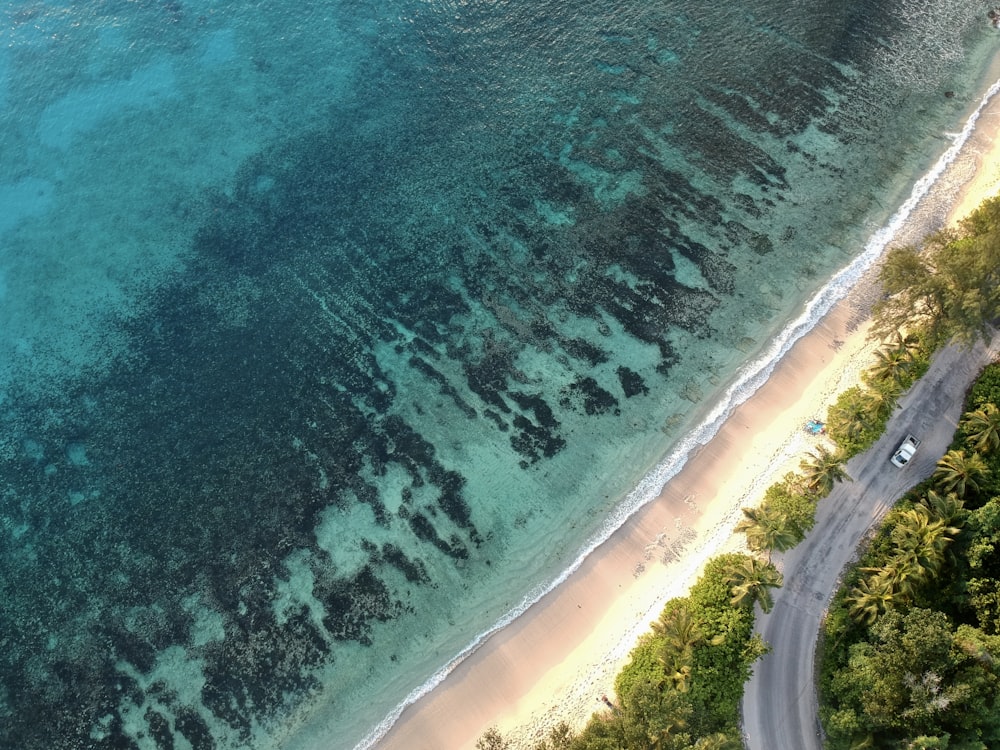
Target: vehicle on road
(905,451)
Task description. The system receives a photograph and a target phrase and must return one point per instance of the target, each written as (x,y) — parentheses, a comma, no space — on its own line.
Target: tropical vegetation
(910,649)
(950,288)
(910,654)
(858,417)
(682,687)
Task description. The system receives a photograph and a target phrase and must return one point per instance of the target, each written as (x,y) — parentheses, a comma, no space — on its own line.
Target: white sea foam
(749,379)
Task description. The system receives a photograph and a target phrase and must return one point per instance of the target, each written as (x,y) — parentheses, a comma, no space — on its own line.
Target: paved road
(779,706)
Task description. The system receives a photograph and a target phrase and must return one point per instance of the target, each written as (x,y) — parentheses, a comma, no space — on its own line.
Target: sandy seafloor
(556,662)
(334,334)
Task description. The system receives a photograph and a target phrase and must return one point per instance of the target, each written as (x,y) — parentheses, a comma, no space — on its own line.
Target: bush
(790,499)
(560,738)
(721,670)
(928,668)
(851,424)
(492,740)
(722,648)
(644,665)
(986,389)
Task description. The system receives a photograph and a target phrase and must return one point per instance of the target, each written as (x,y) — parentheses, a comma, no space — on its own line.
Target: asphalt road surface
(779,705)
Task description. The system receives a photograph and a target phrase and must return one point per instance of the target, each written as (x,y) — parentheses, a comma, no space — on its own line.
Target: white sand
(554,663)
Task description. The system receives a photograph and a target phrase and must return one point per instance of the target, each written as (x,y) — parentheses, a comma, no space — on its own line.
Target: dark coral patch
(354,604)
(587,395)
(159,729)
(189,723)
(631,382)
(414,570)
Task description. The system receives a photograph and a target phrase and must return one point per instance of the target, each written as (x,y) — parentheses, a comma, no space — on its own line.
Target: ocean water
(332,333)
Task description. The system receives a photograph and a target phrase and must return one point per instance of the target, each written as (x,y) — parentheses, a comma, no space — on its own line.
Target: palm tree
(848,417)
(910,342)
(957,472)
(821,469)
(870,598)
(749,581)
(678,625)
(880,400)
(681,633)
(892,362)
(982,428)
(921,541)
(767,530)
(949,508)
(900,576)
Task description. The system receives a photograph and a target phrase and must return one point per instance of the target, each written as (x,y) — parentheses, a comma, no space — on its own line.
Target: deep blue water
(332,330)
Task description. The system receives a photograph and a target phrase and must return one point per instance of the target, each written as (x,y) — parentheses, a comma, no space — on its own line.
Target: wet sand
(556,661)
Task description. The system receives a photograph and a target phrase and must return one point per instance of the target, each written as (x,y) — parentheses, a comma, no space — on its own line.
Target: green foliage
(717,692)
(767,528)
(984,598)
(647,718)
(849,423)
(560,737)
(871,597)
(891,365)
(684,682)
(920,541)
(910,549)
(930,743)
(644,665)
(492,740)
(960,472)
(949,508)
(720,670)
(950,288)
(790,499)
(821,469)
(651,717)
(983,553)
(979,433)
(858,417)
(915,676)
(717,741)
(601,733)
(913,293)
(983,559)
(986,389)
(750,582)
(902,664)
(981,428)
(711,592)
(679,631)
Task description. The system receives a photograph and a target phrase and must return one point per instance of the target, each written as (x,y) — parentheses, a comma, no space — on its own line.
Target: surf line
(748,380)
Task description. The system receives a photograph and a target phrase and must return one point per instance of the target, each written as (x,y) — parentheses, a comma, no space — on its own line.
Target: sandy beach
(556,661)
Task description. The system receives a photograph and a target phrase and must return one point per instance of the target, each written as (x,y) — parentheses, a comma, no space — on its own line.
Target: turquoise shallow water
(332,331)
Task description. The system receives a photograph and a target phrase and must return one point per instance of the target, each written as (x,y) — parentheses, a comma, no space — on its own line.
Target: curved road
(779,705)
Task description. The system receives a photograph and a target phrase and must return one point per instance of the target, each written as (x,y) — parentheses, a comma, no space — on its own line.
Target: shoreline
(555,661)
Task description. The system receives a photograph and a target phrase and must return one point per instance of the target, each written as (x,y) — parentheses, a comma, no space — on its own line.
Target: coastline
(555,661)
